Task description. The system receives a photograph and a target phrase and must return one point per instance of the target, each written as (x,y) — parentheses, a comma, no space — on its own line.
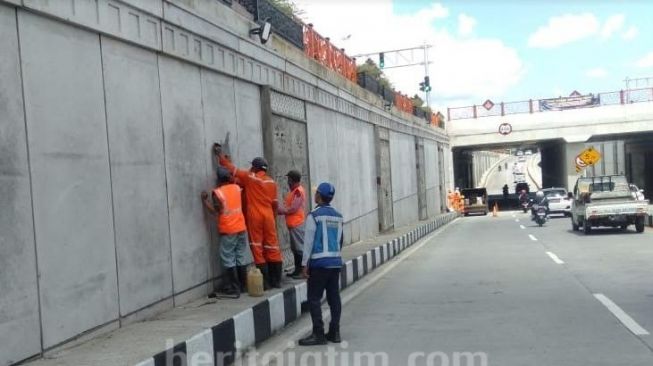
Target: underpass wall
(434,188)
(404,179)
(103,160)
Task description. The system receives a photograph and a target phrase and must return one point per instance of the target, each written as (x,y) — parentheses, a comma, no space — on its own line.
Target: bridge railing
(545,105)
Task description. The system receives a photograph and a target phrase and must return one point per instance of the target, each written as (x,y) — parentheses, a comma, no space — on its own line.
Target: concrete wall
(433,187)
(404,179)
(19,317)
(105,146)
(349,165)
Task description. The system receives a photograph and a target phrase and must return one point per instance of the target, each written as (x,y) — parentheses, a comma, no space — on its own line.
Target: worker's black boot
(297,273)
(334,334)
(315,339)
(242,278)
(276,269)
(266,276)
(231,286)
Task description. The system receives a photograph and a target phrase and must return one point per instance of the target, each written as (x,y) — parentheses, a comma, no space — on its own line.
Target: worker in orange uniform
(261,207)
(293,210)
(235,255)
(457,197)
(450,205)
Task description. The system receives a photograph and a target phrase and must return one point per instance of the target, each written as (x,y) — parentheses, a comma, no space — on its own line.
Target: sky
(509,50)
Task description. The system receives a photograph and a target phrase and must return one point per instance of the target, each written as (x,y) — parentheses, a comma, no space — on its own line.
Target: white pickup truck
(606,201)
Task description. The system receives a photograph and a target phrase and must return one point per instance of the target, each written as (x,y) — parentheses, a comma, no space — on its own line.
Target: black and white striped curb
(221,344)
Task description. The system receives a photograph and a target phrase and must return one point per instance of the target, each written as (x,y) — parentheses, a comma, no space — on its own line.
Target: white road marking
(522,227)
(516,220)
(624,318)
(513,215)
(532,237)
(555,258)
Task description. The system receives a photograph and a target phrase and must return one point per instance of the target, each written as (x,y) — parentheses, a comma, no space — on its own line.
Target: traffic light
(381,60)
(422,86)
(427,84)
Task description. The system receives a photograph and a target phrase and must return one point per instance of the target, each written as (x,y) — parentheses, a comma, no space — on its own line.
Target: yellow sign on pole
(587,157)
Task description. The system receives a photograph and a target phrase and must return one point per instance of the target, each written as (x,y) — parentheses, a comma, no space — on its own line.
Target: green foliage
(288,7)
(417,101)
(372,69)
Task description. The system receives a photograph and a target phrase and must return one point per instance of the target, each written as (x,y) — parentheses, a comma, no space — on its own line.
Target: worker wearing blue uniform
(321,265)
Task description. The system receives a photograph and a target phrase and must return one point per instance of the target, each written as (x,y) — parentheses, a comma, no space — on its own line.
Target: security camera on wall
(264,32)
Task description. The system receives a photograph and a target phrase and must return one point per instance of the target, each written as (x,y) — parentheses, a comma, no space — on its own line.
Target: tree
(288,7)
(417,101)
(371,69)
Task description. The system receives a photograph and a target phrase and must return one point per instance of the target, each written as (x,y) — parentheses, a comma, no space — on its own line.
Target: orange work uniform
(295,219)
(260,202)
(230,220)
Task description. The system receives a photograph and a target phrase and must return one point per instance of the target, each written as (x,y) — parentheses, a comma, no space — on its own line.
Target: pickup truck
(606,201)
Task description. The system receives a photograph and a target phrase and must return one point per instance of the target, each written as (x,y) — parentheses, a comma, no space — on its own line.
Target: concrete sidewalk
(226,327)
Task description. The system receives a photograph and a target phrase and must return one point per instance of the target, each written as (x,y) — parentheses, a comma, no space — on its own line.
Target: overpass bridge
(618,124)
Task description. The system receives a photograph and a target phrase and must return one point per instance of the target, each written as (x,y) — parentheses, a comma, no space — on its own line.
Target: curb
(232,337)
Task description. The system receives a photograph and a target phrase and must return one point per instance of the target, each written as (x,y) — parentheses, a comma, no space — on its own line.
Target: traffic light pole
(411,60)
(426,72)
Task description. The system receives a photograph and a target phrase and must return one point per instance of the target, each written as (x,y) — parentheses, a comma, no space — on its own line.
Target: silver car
(559,202)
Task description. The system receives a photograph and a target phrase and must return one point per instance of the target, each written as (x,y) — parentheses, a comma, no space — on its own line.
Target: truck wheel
(587,227)
(574,226)
(639,224)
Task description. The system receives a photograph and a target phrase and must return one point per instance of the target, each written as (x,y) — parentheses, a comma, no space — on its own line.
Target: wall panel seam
(31,185)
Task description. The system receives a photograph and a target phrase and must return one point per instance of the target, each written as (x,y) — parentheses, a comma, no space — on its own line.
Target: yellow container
(254,282)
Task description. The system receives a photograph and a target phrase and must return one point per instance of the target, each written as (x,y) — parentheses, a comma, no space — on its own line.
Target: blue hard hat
(326,190)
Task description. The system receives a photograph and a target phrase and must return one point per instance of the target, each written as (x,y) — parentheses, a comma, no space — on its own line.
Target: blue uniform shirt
(323,238)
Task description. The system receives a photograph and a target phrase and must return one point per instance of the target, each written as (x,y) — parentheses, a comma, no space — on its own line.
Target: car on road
(529,152)
(475,201)
(559,202)
(606,201)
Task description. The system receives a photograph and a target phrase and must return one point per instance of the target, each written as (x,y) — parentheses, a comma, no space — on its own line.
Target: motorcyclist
(523,197)
(540,200)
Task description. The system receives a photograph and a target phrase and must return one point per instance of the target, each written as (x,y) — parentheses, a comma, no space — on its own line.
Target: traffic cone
(495,210)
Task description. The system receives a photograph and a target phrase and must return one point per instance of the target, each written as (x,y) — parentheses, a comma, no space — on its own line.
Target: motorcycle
(540,215)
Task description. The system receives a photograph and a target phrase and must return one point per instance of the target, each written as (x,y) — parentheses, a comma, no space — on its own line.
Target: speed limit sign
(505,129)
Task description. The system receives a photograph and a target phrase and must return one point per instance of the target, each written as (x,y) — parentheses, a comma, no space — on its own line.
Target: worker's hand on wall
(217,149)
(204,195)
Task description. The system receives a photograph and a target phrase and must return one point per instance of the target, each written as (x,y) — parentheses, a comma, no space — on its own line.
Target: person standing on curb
(234,252)
(261,203)
(321,265)
(293,210)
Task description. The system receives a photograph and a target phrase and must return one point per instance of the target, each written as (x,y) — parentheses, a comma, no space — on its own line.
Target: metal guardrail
(535,106)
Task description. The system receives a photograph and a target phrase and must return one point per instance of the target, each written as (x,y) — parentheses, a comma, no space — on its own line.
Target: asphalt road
(497,179)
(504,291)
